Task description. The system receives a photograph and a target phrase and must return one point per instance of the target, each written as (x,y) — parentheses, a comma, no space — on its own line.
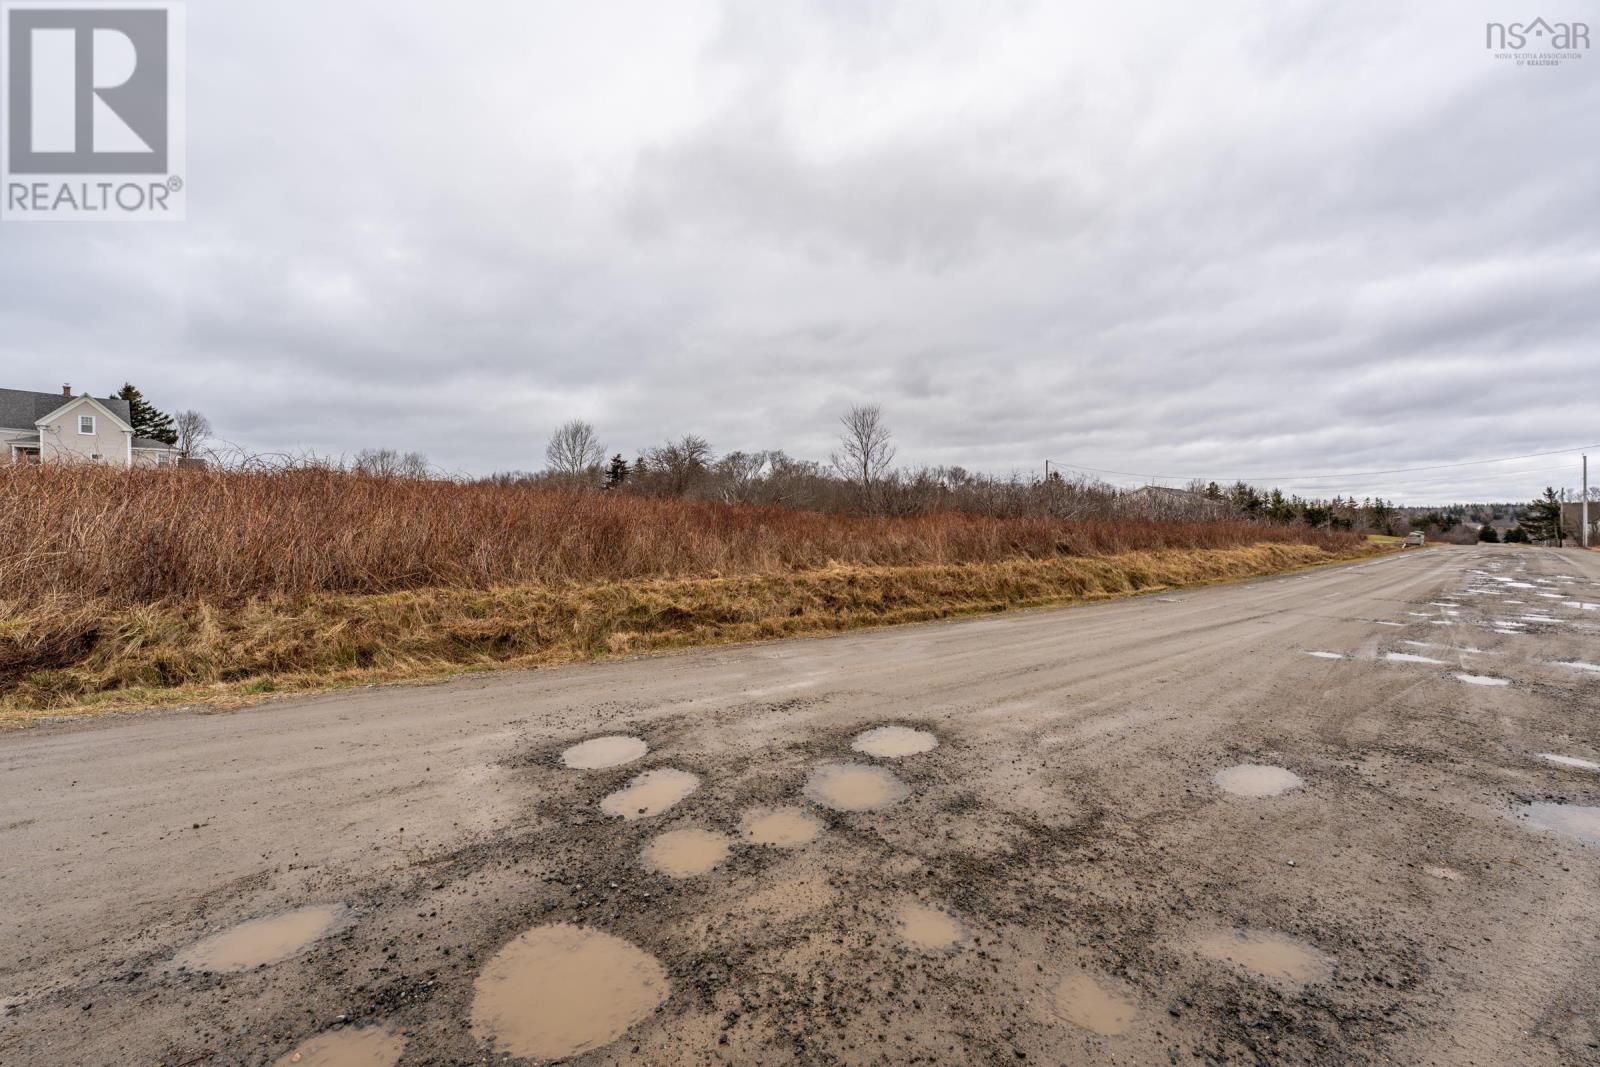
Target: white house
(62,428)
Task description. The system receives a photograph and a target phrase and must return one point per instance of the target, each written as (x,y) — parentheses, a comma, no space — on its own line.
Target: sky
(1295,242)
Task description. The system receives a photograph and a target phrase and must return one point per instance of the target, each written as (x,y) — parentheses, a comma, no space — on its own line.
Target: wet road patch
(1319,654)
(372,1046)
(560,990)
(854,787)
(262,941)
(1569,820)
(894,742)
(1257,780)
(1275,957)
(1570,761)
(598,753)
(1085,1003)
(1410,657)
(685,853)
(651,793)
(779,827)
(1481,679)
(928,928)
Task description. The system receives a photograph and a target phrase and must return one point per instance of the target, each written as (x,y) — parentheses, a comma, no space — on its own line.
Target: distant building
(62,428)
(1163,502)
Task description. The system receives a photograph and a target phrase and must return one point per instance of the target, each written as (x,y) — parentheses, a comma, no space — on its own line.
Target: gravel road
(1343,816)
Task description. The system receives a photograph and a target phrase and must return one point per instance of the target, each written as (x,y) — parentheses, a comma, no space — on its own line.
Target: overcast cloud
(1214,239)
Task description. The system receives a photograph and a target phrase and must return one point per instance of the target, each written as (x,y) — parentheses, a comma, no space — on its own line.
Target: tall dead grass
(145,587)
(98,534)
(178,652)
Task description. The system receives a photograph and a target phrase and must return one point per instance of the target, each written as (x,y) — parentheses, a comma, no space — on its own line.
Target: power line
(1314,477)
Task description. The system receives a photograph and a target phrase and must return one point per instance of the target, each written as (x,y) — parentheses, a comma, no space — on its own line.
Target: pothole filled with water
(894,742)
(1571,820)
(854,787)
(651,793)
(1570,761)
(560,990)
(1409,657)
(780,827)
(1084,1002)
(1319,654)
(262,941)
(1257,780)
(1481,679)
(685,853)
(372,1046)
(1272,956)
(928,928)
(598,753)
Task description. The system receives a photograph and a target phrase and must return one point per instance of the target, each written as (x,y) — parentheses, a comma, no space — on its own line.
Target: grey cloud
(1223,240)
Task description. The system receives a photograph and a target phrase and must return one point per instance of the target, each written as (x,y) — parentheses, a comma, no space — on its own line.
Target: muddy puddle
(1275,957)
(263,941)
(1257,780)
(894,742)
(1570,761)
(1409,657)
(1481,679)
(651,793)
(685,853)
(1085,1003)
(854,787)
(561,990)
(779,827)
(372,1046)
(1578,665)
(1570,820)
(598,753)
(928,928)
(1319,654)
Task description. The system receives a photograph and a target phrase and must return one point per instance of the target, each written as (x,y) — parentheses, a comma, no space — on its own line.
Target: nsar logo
(1553,42)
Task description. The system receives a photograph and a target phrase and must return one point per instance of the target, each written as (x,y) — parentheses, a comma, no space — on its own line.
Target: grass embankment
(102,656)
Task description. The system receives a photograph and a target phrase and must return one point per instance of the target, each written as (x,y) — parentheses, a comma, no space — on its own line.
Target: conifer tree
(148,420)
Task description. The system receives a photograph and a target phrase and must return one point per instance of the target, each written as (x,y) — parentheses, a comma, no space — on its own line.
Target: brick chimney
(66,389)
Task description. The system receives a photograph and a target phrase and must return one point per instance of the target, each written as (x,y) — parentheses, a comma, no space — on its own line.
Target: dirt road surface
(1399,874)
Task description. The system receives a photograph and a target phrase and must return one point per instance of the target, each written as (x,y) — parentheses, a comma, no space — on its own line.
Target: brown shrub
(146,536)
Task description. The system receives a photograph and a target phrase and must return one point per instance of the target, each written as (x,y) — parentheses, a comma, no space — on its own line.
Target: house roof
(151,442)
(20,409)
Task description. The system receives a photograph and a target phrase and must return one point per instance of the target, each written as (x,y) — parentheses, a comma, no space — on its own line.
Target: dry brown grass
(97,534)
(122,588)
(184,652)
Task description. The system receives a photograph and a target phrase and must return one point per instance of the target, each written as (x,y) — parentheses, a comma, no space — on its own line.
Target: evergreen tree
(1542,519)
(617,473)
(148,420)
(1516,536)
(1487,535)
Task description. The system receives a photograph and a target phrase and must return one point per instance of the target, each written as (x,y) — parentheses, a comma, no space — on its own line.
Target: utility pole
(1585,508)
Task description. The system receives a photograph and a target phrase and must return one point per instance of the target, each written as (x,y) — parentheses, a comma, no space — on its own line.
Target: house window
(162,459)
(86,424)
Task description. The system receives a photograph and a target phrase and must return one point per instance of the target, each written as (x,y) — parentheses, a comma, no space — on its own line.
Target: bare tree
(194,430)
(681,465)
(574,451)
(387,463)
(865,447)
